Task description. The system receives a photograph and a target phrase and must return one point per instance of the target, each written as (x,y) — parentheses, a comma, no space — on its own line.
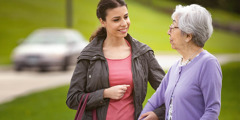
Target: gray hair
(196,20)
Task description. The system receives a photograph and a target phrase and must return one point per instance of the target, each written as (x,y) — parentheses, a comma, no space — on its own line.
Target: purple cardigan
(196,89)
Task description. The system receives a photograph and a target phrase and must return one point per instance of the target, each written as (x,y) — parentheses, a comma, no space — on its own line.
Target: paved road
(14,84)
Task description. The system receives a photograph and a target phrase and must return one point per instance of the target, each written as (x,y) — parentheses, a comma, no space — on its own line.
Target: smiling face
(117,22)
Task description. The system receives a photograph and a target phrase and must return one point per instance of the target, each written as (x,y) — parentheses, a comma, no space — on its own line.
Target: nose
(124,23)
(169,32)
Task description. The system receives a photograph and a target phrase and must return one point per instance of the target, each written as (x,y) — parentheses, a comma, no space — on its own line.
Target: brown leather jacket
(91,76)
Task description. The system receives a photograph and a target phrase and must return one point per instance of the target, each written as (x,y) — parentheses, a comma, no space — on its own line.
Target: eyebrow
(119,16)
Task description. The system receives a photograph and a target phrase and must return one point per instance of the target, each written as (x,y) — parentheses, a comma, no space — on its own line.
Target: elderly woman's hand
(148,116)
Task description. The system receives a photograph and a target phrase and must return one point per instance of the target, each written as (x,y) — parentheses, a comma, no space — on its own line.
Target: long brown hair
(102,7)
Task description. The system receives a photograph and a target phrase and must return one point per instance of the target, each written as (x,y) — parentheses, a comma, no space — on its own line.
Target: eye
(115,20)
(126,17)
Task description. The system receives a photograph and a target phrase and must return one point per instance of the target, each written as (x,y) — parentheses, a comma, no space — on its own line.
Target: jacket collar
(94,49)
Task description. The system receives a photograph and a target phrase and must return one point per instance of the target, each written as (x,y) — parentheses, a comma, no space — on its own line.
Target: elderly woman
(191,90)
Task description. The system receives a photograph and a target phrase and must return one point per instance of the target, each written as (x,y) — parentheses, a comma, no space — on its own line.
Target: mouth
(170,40)
(125,30)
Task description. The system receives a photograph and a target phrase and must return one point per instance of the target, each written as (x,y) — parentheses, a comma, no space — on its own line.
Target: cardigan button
(90,76)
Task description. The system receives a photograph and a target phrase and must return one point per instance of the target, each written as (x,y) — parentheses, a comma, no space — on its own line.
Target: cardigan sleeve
(211,84)
(157,99)
(155,76)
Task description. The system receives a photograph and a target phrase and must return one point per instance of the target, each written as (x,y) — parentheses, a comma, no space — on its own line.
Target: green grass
(47,105)
(223,42)
(50,104)
(85,19)
(150,26)
(225,17)
(20,18)
(230,92)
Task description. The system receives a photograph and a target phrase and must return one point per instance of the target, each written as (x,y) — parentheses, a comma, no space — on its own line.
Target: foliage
(220,16)
(229,5)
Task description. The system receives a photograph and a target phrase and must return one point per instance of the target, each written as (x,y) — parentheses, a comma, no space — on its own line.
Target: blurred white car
(46,48)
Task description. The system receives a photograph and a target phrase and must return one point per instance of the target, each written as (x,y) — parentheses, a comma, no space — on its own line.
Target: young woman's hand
(115,92)
(148,116)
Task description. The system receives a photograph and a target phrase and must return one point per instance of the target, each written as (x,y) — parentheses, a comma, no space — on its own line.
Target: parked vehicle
(46,48)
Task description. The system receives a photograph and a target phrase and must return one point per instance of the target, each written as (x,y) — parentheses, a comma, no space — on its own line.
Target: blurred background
(43,32)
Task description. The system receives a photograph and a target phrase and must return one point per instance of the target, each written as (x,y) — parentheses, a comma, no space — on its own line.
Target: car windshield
(46,38)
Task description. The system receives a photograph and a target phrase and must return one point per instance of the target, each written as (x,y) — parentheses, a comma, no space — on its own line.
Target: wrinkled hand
(115,92)
(148,116)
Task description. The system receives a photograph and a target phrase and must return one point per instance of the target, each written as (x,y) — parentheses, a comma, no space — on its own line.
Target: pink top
(120,73)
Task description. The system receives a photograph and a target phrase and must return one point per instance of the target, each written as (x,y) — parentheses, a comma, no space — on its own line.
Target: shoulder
(141,46)
(210,68)
(209,63)
(138,48)
(94,45)
(207,58)
(93,50)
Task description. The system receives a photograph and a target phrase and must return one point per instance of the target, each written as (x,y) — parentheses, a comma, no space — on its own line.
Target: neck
(114,42)
(189,53)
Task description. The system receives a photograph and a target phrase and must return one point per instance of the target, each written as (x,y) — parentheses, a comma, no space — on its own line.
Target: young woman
(114,68)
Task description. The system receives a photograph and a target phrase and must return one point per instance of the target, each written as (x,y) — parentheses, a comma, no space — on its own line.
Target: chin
(173,47)
(123,35)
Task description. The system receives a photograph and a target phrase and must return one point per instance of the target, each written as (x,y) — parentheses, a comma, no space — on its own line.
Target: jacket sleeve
(77,88)
(155,71)
(155,76)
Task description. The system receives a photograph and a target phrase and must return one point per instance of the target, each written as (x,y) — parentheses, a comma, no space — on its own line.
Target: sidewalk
(167,60)
(14,84)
